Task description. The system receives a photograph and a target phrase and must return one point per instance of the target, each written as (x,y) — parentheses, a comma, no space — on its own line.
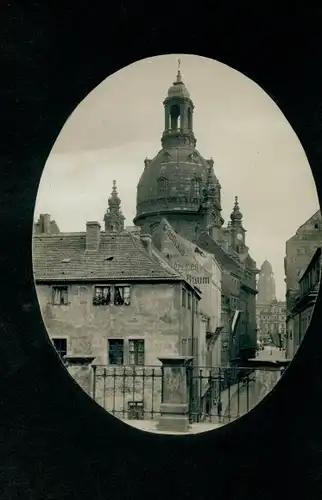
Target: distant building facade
(271,322)
(181,186)
(300,315)
(300,249)
(270,313)
(266,284)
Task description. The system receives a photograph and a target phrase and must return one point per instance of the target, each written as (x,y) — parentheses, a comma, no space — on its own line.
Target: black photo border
(56,443)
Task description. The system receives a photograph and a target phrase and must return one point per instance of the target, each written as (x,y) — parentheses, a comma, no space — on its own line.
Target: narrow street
(276,355)
(247,397)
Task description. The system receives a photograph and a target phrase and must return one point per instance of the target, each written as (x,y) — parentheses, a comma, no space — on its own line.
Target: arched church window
(196,187)
(189,119)
(162,184)
(175,121)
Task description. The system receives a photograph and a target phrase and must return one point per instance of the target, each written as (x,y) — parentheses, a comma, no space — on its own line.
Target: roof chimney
(93,235)
(43,224)
(146,241)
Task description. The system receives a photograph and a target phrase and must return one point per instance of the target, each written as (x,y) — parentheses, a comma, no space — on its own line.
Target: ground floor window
(116,351)
(60,345)
(136,351)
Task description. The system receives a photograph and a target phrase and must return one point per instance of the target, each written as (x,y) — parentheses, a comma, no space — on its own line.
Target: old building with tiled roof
(179,184)
(105,293)
(110,299)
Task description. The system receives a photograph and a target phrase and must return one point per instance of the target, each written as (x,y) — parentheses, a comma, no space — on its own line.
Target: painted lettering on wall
(185,267)
(172,237)
(198,280)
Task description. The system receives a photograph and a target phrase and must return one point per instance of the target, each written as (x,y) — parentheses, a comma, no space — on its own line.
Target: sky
(257,155)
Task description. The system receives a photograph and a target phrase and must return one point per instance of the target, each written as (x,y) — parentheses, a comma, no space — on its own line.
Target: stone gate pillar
(80,369)
(174,406)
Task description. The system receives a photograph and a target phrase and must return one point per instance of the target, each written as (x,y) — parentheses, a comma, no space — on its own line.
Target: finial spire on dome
(179,79)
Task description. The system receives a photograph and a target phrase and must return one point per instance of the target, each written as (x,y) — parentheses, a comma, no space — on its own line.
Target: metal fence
(217,395)
(129,392)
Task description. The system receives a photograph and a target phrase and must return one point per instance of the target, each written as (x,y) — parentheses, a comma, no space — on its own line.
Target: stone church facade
(180,185)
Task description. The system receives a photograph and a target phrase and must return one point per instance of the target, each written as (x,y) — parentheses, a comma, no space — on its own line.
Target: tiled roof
(208,244)
(119,257)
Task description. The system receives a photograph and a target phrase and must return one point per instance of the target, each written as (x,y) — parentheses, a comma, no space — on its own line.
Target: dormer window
(163,184)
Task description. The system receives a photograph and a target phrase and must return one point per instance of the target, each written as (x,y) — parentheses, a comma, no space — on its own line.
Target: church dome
(178,180)
(178,89)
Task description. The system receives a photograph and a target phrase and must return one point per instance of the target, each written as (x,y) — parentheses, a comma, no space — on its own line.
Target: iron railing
(220,393)
(129,392)
(217,394)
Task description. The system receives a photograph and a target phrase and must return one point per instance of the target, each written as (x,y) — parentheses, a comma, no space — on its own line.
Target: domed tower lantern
(178,183)
(178,115)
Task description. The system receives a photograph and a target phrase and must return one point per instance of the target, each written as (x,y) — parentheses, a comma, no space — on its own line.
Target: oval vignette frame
(265,397)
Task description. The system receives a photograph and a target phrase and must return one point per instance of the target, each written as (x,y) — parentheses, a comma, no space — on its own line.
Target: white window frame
(131,339)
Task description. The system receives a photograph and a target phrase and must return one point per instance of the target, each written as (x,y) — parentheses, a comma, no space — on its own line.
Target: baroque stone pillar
(79,367)
(174,406)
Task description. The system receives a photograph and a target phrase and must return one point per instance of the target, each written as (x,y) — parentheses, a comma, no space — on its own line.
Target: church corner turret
(237,229)
(114,218)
